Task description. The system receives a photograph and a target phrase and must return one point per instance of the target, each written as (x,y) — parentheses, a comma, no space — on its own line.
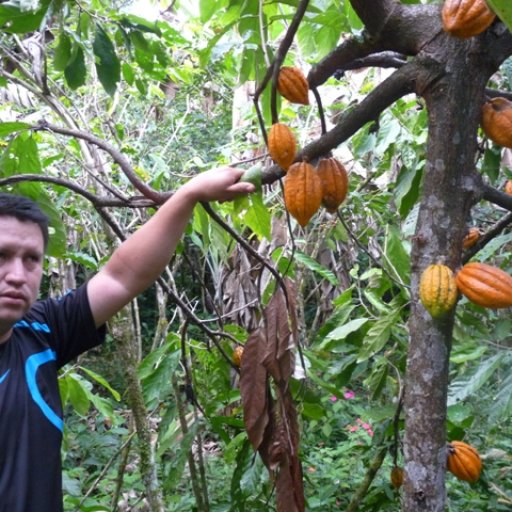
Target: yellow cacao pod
(466,18)
(293,85)
(471,238)
(237,355)
(397,477)
(438,291)
(464,461)
(485,285)
(334,179)
(508,187)
(302,192)
(282,145)
(497,121)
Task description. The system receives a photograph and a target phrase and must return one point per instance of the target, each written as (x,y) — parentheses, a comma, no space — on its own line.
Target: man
(39,337)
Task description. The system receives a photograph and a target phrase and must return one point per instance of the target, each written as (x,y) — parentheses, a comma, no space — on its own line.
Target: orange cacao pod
(334,179)
(497,121)
(471,238)
(464,461)
(438,291)
(237,355)
(466,18)
(397,477)
(508,187)
(485,285)
(282,145)
(293,85)
(302,192)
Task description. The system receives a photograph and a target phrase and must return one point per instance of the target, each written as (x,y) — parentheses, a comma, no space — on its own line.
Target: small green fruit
(253,175)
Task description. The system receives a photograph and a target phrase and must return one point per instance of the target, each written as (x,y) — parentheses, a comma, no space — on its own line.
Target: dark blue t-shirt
(51,334)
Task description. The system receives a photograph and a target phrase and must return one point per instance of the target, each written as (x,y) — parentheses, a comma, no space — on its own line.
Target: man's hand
(220,184)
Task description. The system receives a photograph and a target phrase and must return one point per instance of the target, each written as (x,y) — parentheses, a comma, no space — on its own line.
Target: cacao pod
(471,238)
(293,85)
(508,187)
(302,192)
(438,291)
(464,461)
(466,18)
(334,179)
(497,121)
(282,145)
(485,285)
(237,355)
(397,477)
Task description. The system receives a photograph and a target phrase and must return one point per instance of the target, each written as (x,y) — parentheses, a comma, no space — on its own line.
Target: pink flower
(353,428)
(333,398)
(349,394)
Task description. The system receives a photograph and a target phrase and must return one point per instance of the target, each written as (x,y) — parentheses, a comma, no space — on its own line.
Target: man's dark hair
(24,209)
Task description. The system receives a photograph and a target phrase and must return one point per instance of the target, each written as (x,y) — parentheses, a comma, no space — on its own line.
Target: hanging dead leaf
(254,389)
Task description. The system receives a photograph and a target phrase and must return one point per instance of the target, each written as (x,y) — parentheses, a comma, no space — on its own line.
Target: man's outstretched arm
(141,259)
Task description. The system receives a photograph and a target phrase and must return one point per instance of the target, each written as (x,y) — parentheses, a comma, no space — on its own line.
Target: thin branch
(116,155)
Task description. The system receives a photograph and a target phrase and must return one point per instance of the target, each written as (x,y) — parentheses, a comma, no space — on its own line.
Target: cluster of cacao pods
(484,285)
(463,460)
(466,18)
(307,188)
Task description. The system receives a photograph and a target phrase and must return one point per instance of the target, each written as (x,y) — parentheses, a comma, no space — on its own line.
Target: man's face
(21,269)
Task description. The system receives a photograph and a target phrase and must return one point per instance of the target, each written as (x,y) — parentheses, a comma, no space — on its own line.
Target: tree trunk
(453,88)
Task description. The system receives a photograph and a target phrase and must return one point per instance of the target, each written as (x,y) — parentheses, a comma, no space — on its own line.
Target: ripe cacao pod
(237,355)
(302,192)
(508,187)
(397,477)
(471,238)
(466,18)
(293,85)
(282,145)
(497,121)
(485,285)
(334,179)
(464,461)
(438,291)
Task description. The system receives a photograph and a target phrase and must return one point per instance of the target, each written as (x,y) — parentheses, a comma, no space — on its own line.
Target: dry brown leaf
(254,389)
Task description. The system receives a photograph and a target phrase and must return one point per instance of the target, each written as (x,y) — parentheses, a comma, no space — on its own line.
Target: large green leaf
(313,265)
(108,66)
(10,127)
(75,72)
(16,20)
(503,8)
(466,385)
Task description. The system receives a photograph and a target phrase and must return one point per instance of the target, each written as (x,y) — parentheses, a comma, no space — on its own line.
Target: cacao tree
(70,75)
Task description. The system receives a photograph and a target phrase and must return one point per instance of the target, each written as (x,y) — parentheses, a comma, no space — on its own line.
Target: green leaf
(75,71)
(102,381)
(465,386)
(313,265)
(63,52)
(108,66)
(397,260)
(377,336)
(340,333)
(11,127)
(77,395)
(15,20)
(257,216)
(503,9)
